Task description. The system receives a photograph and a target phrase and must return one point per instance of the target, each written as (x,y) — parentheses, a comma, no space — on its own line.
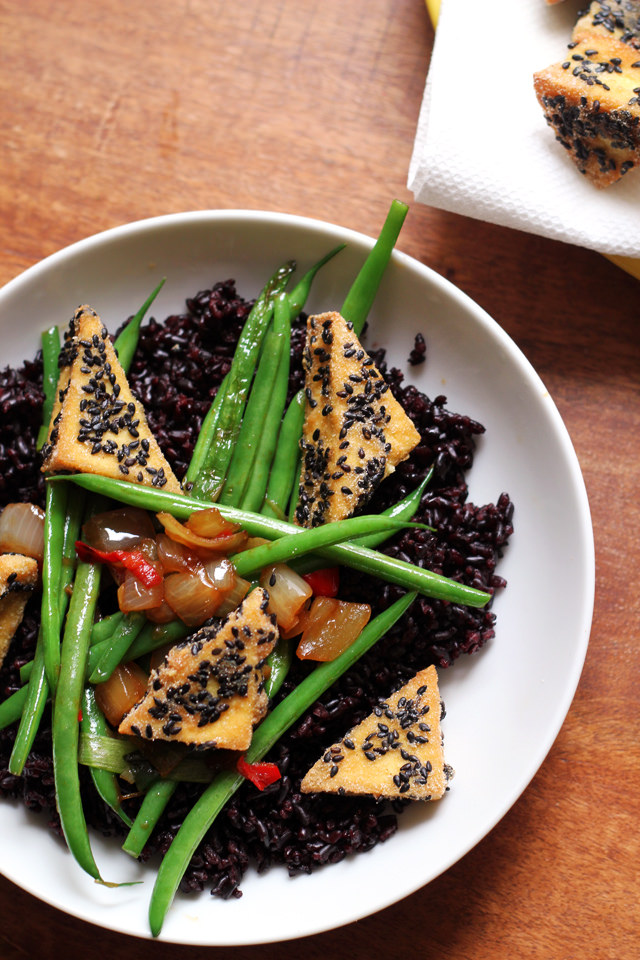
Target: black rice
(176,372)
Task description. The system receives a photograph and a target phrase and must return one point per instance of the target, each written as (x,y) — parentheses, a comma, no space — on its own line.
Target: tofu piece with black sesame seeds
(355,432)
(18,579)
(591,98)
(610,18)
(97,425)
(209,689)
(397,751)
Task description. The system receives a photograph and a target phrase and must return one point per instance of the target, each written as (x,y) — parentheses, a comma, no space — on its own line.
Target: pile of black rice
(176,371)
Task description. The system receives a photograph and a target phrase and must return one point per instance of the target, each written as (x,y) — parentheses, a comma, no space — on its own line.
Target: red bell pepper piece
(132,560)
(260,774)
(324,582)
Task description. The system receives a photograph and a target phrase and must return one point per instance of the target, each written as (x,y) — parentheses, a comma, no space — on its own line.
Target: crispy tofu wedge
(18,577)
(591,99)
(97,425)
(610,18)
(208,691)
(395,752)
(355,432)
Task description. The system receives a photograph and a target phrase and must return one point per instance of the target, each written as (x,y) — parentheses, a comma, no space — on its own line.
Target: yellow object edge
(628,264)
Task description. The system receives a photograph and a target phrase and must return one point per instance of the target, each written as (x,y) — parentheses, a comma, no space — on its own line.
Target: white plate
(505,705)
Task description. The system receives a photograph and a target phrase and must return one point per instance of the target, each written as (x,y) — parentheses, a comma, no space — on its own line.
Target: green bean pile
(246,460)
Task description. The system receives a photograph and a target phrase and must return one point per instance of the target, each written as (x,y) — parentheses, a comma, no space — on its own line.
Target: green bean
(360,297)
(51,620)
(65,727)
(152,807)
(284,475)
(209,482)
(102,630)
(106,627)
(272,414)
(25,671)
(279,661)
(263,403)
(155,635)
(61,532)
(106,783)
(126,342)
(403,510)
(35,700)
(249,563)
(369,561)
(295,484)
(205,435)
(117,646)
(50,376)
(201,816)
(11,708)
(298,296)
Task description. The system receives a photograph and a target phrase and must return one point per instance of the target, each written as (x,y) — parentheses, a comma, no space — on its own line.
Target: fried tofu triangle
(590,98)
(97,425)
(208,691)
(355,432)
(395,752)
(18,577)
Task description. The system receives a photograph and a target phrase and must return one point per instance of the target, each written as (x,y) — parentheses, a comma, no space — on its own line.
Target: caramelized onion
(193,597)
(124,688)
(331,627)
(210,523)
(175,557)
(22,530)
(225,543)
(120,529)
(288,593)
(235,597)
(133,595)
(160,614)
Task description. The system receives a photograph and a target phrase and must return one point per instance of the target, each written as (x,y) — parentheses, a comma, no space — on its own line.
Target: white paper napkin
(483,147)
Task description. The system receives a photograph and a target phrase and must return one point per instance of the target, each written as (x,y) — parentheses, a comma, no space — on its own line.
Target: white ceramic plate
(505,705)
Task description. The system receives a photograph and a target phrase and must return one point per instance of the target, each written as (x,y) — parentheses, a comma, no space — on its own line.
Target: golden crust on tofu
(395,752)
(355,432)
(97,425)
(18,577)
(614,18)
(591,98)
(208,691)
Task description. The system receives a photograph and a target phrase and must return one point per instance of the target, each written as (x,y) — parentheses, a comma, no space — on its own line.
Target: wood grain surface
(112,112)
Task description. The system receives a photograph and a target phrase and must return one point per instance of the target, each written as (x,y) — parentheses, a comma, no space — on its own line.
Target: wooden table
(117,111)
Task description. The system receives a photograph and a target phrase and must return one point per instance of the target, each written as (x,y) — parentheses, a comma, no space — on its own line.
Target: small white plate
(505,705)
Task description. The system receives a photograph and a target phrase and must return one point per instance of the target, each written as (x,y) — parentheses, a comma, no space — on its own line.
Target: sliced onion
(222,573)
(252,542)
(22,530)
(235,597)
(193,597)
(299,624)
(120,529)
(160,614)
(288,593)
(124,688)
(175,557)
(210,523)
(227,543)
(133,595)
(332,626)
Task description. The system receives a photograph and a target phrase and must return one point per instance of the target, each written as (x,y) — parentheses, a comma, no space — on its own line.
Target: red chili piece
(132,560)
(324,582)
(260,774)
